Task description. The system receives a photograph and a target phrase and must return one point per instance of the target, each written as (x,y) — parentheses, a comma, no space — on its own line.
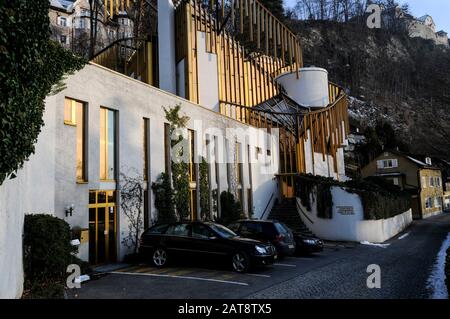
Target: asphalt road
(338,272)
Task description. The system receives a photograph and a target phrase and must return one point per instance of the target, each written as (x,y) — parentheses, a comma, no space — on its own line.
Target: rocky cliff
(390,76)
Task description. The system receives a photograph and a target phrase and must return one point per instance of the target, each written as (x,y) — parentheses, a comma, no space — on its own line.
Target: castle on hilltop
(424,27)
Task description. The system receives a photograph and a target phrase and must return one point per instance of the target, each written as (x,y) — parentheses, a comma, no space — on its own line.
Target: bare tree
(131,204)
(94,8)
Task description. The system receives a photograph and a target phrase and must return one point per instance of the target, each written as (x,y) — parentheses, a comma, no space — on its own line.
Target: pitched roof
(416,159)
(65,5)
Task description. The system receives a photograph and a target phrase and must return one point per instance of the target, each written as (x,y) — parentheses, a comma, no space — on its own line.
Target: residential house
(70,22)
(413,174)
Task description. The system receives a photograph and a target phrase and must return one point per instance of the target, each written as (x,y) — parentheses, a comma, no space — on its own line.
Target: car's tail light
(279,238)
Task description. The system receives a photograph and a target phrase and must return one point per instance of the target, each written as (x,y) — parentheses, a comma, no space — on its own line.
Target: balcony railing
(135,58)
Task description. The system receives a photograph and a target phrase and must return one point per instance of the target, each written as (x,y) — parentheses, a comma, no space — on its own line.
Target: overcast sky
(438,9)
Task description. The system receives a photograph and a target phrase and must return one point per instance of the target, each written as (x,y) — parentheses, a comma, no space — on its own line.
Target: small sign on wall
(84,236)
(345,210)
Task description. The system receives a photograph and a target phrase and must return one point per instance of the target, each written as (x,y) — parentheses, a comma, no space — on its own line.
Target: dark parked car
(203,241)
(306,244)
(270,231)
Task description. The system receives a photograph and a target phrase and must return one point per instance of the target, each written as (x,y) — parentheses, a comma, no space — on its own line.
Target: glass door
(102,227)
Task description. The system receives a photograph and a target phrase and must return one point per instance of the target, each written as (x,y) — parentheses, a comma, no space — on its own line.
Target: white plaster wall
(166,46)
(32,191)
(133,100)
(352,227)
(321,167)
(208,83)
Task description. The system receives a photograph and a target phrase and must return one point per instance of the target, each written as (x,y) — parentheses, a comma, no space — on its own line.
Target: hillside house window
(424,182)
(75,115)
(62,21)
(396,181)
(389,163)
(432,182)
(437,202)
(107,144)
(63,39)
(428,203)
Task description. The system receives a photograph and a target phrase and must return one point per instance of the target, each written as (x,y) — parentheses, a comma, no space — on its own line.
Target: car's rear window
(252,227)
(158,229)
(280,228)
(179,230)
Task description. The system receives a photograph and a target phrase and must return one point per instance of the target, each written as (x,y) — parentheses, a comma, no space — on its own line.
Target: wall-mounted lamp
(69,210)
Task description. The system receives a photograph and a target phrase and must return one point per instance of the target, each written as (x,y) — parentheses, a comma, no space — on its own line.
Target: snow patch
(403,236)
(436,281)
(376,245)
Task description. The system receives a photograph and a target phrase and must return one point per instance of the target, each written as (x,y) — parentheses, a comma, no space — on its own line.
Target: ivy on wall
(314,188)
(380,199)
(31,66)
(205,190)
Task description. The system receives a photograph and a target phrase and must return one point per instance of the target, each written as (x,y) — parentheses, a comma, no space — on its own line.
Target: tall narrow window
(167,146)
(216,159)
(192,175)
(146,139)
(74,114)
(192,166)
(238,164)
(107,144)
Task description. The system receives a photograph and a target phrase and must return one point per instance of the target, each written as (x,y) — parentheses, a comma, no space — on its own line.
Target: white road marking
(403,236)
(181,277)
(285,265)
(259,275)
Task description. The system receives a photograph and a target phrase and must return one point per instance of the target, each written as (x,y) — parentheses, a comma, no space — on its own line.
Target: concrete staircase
(286,212)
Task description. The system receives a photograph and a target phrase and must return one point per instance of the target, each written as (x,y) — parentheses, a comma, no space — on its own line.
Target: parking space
(189,280)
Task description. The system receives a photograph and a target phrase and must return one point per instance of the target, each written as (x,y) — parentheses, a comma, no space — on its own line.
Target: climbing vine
(180,159)
(205,190)
(31,67)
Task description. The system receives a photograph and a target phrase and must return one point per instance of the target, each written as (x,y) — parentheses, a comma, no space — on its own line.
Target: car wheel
(240,262)
(159,257)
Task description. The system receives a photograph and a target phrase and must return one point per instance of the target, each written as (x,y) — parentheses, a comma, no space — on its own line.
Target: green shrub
(164,202)
(230,209)
(47,253)
(47,246)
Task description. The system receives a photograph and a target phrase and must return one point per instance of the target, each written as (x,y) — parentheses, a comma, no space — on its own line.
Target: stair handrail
(267,206)
(299,208)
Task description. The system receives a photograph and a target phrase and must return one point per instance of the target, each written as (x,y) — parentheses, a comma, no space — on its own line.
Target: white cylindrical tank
(310,89)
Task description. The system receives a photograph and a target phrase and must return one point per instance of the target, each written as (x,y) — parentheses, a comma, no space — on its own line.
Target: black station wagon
(203,241)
